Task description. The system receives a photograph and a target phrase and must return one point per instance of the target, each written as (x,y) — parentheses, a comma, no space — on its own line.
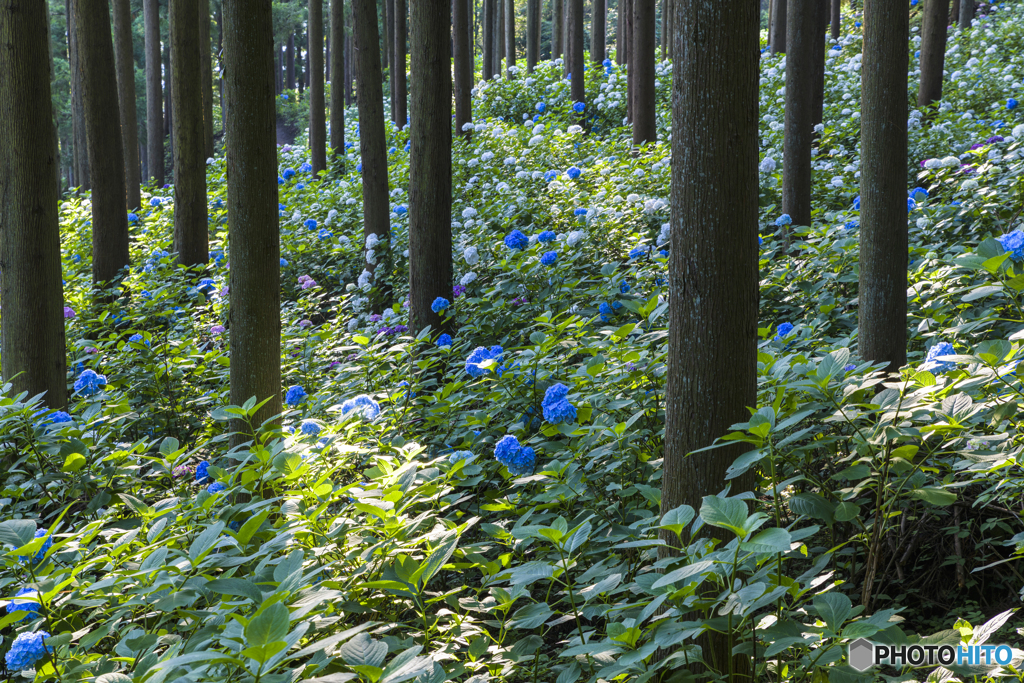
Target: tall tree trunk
(32,340)
(430,164)
(567,35)
(778,30)
(510,36)
(398,68)
(289,63)
(372,145)
(463,58)
(499,31)
(933,51)
(488,30)
(169,101)
(642,65)
(954,13)
(966,13)
(883,192)
(300,68)
(837,19)
(821,21)
(666,28)
(557,28)
(103,139)
(154,93)
(598,31)
(327,59)
(713,274)
(255,252)
(796,176)
(350,62)
(532,34)
(81,158)
(191,231)
(627,30)
(317,104)
(278,69)
(389,54)
(206,67)
(124,57)
(338,86)
(577,63)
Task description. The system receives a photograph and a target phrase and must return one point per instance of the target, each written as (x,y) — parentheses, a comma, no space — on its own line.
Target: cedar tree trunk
(933,51)
(124,56)
(317,104)
(463,59)
(642,66)
(338,84)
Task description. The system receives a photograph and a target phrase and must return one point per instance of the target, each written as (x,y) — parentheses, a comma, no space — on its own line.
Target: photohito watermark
(863,654)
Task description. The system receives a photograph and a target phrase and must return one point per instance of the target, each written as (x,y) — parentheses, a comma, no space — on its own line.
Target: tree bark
(954,13)
(778,27)
(327,59)
(124,57)
(598,30)
(713,274)
(642,65)
(169,100)
(300,70)
(338,85)
(372,144)
(317,105)
(289,63)
(883,192)
(389,54)
(430,164)
(577,63)
(837,18)
(255,252)
(350,62)
(463,59)
(499,32)
(933,51)
(666,29)
(627,24)
(966,13)
(510,36)
(557,28)
(488,29)
(103,139)
(533,22)
(81,158)
(796,175)
(206,68)
(154,93)
(191,231)
(819,51)
(32,343)
(399,66)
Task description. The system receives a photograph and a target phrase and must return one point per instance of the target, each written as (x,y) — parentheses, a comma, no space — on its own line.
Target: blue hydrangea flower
(325,234)
(1011,104)
(637,252)
(919,194)
(133,218)
(931,364)
(26,650)
(440,304)
(455,457)
(556,406)
(309,223)
(89,382)
(573,173)
(851,225)
(550,175)
(624,287)
(848,367)
(547,236)
(510,453)
(155,202)
(203,472)
(288,173)
(300,186)
(856,203)
(1013,242)
(401,210)
(361,405)
(783,220)
(235,526)
(444,340)
(516,240)
(30,606)
(911,204)
(135,338)
(41,553)
(606,63)
(479,355)
(549,258)
(541,107)
(783,330)
(284,263)
(579,211)
(216,487)
(605,310)
(579,107)
(305,168)
(310,428)
(295,395)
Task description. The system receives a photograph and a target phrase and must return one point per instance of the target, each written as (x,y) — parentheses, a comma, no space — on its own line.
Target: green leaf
(168,446)
(537,337)
(725,513)
(846,511)
(240,587)
(744,463)
(623,331)
(935,496)
(74,462)
(982,292)
(437,559)
(205,541)
(834,609)
(769,541)
(363,650)
(269,626)
(812,505)
(686,572)
(676,519)
(406,665)
(17,532)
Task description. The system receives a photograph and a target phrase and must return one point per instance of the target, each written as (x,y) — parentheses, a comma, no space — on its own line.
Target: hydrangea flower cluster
(455,457)
(32,607)
(295,395)
(931,362)
(556,406)
(361,405)
(216,487)
(509,452)
(203,472)
(440,304)
(480,355)
(41,553)
(1013,242)
(784,330)
(89,382)
(309,428)
(546,236)
(516,240)
(26,650)
(444,340)
(549,258)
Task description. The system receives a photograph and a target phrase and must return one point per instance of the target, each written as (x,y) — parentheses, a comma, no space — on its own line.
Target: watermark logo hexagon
(860,654)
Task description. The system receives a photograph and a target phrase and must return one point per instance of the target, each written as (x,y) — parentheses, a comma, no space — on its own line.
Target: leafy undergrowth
(485,507)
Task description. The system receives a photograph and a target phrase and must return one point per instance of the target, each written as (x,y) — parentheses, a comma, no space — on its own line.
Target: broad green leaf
(74,462)
(363,650)
(935,496)
(269,626)
(834,608)
(725,513)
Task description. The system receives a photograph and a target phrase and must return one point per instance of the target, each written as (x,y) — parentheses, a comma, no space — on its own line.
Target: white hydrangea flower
(472,255)
(467,278)
(536,140)
(665,235)
(969,185)
(767,165)
(486,156)
(371,257)
(573,238)
(837,181)
(372,240)
(923,223)
(351,325)
(951,162)
(1018,131)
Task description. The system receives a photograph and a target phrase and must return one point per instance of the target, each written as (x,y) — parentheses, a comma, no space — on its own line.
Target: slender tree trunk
(206,67)
(933,51)
(954,13)
(169,102)
(399,67)
(837,19)
(667,28)
(499,32)
(567,35)
(103,139)
(557,28)
(713,274)
(338,86)
(81,157)
(598,30)
(488,29)
(32,340)
(124,57)
(327,59)
(191,231)
(819,51)
(778,28)
(430,164)
(372,145)
(350,63)
(577,63)
(278,70)
(510,36)
(255,252)
(796,176)
(883,193)
(627,29)
(317,105)
(289,63)
(389,55)
(621,57)
(154,93)
(532,34)
(966,13)
(300,68)
(642,65)
(463,59)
